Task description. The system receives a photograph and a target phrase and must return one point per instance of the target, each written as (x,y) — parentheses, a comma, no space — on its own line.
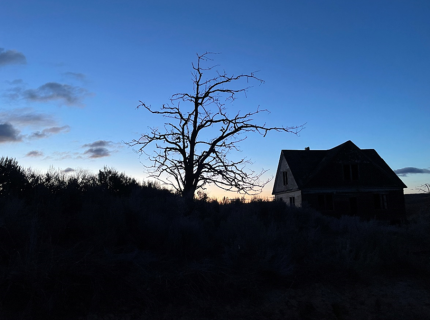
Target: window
(353,206)
(346,172)
(380,201)
(285,177)
(383,201)
(354,171)
(376,201)
(292,201)
(350,172)
(321,201)
(325,202)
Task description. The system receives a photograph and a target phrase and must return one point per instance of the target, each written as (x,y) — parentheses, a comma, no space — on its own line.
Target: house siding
(279,186)
(285,196)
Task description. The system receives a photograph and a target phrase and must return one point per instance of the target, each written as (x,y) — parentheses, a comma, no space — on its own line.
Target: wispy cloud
(24,118)
(97,152)
(27,117)
(14,93)
(11,57)
(49,131)
(410,170)
(98,149)
(75,75)
(34,154)
(15,82)
(99,143)
(62,155)
(53,91)
(8,133)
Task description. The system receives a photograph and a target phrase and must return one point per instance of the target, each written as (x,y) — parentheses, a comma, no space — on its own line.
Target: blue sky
(72,74)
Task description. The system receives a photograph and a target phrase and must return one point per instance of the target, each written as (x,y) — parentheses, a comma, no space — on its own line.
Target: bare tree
(425,188)
(192,150)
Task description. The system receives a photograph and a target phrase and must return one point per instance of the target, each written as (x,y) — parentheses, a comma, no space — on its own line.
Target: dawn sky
(73,72)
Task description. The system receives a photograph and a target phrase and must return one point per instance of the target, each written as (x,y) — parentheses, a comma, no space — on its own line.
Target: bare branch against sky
(193,150)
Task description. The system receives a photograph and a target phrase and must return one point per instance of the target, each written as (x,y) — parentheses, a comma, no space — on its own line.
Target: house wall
(396,206)
(365,204)
(285,196)
(279,186)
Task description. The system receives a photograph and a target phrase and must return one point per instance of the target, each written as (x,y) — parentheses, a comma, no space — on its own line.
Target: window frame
(380,201)
(351,172)
(285,177)
(292,201)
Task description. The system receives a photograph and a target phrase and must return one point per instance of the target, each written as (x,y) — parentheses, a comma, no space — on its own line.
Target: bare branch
(191,162)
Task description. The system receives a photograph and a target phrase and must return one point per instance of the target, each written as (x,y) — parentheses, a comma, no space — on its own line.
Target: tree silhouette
(13,180)
(192,150)
(425,188)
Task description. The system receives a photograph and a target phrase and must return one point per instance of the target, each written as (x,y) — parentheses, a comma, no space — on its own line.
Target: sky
(73,72)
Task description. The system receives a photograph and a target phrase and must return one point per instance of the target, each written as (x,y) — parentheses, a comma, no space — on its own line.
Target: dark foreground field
(106,247)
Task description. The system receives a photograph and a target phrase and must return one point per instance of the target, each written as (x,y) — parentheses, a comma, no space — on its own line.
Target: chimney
(307,148)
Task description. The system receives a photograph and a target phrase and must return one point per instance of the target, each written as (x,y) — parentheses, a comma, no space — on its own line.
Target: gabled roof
(306,164)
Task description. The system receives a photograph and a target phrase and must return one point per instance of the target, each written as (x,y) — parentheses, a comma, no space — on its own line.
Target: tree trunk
(188,195)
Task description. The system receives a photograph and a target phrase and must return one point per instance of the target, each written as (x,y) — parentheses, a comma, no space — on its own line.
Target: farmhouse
(342,180)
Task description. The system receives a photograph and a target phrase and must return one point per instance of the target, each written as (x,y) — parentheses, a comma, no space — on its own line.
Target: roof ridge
(331,153)
(306,166)
(388,173)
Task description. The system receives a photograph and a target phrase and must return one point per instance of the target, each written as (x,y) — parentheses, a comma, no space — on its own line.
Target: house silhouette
(339,181)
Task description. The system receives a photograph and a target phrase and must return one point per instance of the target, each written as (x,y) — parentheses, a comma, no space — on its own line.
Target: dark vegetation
(98,244)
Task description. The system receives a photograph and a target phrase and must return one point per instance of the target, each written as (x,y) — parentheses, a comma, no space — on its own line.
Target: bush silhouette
(114,182)
(13,180)
(80,244)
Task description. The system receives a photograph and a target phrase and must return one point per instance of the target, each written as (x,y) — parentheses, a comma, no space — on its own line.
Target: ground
(381,296)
